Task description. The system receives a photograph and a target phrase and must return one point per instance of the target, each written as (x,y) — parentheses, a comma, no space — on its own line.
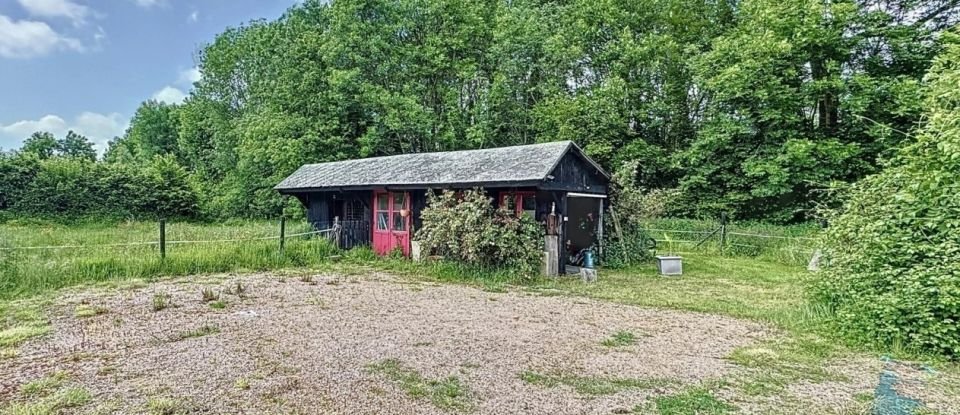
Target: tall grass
(95,252)
(793,244)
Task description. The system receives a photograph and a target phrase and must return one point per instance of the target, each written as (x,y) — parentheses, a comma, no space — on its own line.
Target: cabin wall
(574,174)
(323,207)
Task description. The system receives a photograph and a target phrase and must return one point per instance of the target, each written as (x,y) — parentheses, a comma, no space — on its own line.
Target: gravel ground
(292,346)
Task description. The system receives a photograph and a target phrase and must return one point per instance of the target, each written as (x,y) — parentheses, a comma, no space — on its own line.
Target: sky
(86,65)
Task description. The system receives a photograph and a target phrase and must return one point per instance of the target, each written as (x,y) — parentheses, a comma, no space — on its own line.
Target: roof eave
(412,186)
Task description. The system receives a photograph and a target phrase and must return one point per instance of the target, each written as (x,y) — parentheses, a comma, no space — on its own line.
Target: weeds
(237,289)
(201,331)
(167,406)
(18,334)
(218,305)
(242,384)
(161,301)
(208,294)
(9,353)
(48,395)
(696,401)
(593,385)
(44,386)
(620,339)
(448,393)
(87,311)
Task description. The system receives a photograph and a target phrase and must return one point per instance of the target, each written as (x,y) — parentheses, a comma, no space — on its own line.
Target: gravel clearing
(289,345)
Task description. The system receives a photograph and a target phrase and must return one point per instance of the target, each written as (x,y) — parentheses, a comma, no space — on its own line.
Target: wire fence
(37,257)
(790,244)
(162,242)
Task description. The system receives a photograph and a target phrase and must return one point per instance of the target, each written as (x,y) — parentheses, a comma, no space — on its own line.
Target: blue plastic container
(588,259)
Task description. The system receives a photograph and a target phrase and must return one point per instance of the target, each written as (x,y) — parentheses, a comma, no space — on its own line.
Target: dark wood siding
(323,207)
(574,174)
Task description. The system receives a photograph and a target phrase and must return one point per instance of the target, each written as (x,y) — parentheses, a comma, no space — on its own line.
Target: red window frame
(518,198)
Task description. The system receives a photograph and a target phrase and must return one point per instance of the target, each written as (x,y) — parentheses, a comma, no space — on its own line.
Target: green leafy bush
(625,242)
(73,187)
(467,228)
(892,272)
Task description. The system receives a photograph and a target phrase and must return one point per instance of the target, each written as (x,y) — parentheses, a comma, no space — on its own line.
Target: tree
(41,143)
(76,146)
(153,130)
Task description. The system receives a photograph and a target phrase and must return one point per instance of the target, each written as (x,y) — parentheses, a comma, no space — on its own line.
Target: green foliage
(747,107)
(76,146)
(619,339)
(590,385)
(74,187)
(466,227)
(626,243)
(449,393)
(41,144)
(696,401)
(892,275)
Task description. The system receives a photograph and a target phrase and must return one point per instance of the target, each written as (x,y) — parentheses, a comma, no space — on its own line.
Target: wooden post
(336,232)
(283,230)
(723,231)
(616,227)
(600,232)
(551,253)
(163,239)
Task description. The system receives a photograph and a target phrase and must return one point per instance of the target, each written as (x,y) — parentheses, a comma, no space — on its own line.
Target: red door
(391,222)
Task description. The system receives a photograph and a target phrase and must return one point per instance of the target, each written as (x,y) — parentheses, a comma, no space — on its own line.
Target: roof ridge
(443,152)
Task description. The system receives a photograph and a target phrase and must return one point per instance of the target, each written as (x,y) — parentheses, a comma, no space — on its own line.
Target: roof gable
(503,165)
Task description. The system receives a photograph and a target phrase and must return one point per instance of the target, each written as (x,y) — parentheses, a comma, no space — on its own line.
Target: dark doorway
(582,227)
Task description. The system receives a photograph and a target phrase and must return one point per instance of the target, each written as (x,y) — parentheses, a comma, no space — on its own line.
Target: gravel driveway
(320,345)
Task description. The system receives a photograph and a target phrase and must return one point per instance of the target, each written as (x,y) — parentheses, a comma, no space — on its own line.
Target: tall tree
(41,143)
(76,146)
(153,130)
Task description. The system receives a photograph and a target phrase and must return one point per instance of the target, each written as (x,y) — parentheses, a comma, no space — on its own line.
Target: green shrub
(65,188)
(625,242)
(892,273)
(469,229)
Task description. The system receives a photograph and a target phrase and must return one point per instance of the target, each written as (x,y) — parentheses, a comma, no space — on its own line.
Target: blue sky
(87,64)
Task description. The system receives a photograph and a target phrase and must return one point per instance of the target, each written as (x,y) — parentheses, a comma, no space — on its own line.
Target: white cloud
(27,39)
(99,128)
(170,95)
(194,16)
(57,8)
(24,128)
(189,76)
(148,3)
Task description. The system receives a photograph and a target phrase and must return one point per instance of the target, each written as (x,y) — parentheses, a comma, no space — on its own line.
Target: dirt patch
(307,345)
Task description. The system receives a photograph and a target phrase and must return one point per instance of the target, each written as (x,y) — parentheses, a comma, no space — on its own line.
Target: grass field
(793,244)
(31,264)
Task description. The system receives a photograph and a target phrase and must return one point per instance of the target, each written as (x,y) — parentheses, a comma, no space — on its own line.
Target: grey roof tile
(504,164)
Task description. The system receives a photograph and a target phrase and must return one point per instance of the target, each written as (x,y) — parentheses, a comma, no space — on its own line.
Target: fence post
(723,231)
(163,239)
(283,228)
(336,232)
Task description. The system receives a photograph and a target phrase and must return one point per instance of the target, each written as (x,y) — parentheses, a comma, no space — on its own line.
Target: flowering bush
(467,228)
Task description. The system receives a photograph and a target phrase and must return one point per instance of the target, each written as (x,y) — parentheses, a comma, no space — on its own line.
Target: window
(353,210)
(528,205)
(383,214)
(520,202)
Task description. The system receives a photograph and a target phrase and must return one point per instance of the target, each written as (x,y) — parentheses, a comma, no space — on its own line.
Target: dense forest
(755,108)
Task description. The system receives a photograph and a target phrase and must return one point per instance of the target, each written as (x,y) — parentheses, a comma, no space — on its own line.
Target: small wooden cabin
(378,200)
